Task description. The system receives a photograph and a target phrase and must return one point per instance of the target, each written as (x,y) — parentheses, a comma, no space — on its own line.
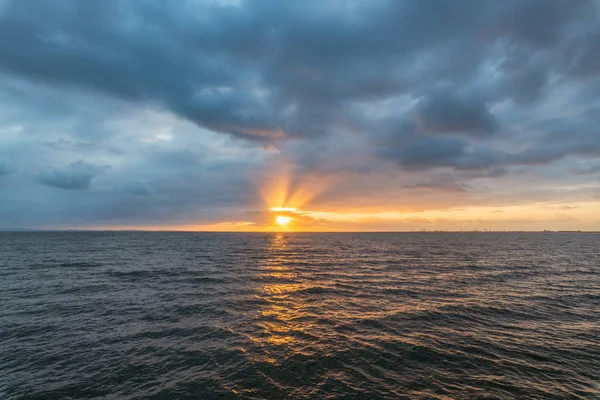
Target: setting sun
(283,220)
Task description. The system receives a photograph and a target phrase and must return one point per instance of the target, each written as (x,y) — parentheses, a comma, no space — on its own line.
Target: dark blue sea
(166,315)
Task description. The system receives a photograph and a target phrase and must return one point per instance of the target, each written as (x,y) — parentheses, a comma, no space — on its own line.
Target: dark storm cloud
(561,138)
(445,112)
(586,56)
(541,23)
(457,154)
(266,69)
(445,152)
(76,176)
(134,54)
(429,152)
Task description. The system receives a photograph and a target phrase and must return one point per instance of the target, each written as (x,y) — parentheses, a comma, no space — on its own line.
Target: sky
(339,115)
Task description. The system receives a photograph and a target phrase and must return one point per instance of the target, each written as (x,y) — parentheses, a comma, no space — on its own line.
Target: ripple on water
(302,316)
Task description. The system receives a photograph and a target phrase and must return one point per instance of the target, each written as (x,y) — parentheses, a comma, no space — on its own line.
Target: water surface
(132,315)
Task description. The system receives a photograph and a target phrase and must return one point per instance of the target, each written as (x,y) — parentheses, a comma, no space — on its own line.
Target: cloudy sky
(359,114)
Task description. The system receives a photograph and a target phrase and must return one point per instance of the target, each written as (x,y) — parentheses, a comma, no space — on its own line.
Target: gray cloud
(445,112)
(481,91)
(443,185)
(6,166)
(541,23)
(141,188)
(429,152)
(586,170)
(238,69)
(76,176)
(448,152)
(176,158)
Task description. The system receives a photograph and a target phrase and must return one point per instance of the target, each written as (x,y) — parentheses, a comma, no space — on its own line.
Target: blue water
(128,315)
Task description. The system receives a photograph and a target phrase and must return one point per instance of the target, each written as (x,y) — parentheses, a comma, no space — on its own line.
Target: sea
(179,315)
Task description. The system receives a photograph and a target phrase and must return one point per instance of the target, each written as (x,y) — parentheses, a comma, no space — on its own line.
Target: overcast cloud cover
(154,112)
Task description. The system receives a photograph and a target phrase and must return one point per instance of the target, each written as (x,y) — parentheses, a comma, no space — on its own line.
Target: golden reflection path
(282,321)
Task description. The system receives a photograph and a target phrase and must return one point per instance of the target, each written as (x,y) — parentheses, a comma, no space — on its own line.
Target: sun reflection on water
(281,320)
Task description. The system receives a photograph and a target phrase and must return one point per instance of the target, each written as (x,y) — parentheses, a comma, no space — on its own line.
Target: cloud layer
(150,112)
(76,176)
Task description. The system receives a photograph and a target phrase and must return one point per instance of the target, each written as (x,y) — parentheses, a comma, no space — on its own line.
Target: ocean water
(132,315)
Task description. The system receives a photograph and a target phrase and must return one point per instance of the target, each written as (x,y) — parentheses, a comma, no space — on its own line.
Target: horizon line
(284,231)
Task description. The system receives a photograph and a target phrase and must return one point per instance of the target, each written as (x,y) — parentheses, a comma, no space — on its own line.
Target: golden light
(281,209)
(288,191)
(283,220)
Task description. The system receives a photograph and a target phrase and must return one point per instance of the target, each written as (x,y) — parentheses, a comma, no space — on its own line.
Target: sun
(283,220)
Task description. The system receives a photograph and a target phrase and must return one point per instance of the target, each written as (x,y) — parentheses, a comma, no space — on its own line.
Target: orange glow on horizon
(539,216)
